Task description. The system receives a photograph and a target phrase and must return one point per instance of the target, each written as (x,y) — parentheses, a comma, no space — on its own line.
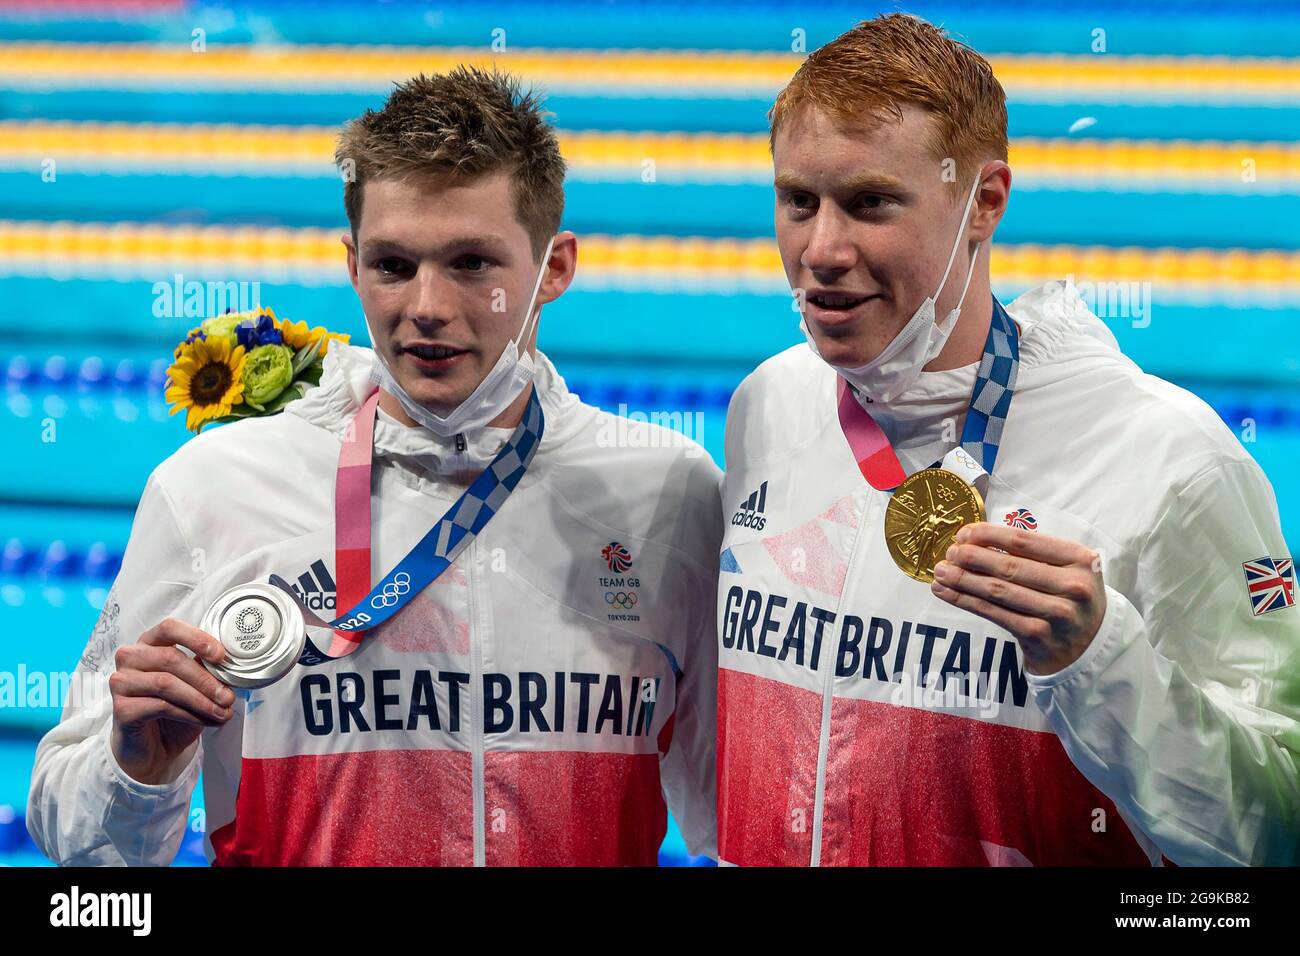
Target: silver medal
(262,630)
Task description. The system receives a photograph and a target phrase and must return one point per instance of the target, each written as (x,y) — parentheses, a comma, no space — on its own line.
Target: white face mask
(512,373)
(896,369)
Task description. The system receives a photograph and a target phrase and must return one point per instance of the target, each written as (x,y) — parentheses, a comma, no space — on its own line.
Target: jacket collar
(1051,317)
(346,383)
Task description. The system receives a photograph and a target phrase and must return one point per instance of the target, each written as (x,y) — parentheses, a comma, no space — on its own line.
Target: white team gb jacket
(534,705)
(862,720)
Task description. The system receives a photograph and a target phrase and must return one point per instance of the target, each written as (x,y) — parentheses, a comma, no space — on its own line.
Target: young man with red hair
(990,594)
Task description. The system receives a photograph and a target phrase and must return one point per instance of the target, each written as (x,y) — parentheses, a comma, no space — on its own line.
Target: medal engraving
(923,518)
(262,631)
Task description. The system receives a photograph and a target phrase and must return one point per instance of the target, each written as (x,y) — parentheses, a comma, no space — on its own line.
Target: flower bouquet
(244,364)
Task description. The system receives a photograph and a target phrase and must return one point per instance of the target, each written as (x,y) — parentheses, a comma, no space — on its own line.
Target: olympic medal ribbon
(431,556)
(353,517)
(981,435)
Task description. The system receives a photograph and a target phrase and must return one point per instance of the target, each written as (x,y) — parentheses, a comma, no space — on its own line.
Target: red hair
(871,71)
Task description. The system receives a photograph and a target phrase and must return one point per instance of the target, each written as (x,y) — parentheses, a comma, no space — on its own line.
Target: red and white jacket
(534,705)
(864,721)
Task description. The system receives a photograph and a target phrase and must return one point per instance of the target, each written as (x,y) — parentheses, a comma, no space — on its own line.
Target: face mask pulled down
(896,369)
(507,379)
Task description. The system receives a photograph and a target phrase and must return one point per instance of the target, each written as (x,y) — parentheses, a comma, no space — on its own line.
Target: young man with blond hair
(533,703)
(990,594)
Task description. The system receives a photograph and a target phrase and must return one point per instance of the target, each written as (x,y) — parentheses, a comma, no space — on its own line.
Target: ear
(352,262)
(990,199)
(560,267)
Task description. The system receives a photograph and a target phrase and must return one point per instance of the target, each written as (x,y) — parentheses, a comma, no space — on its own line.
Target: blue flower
(264,332)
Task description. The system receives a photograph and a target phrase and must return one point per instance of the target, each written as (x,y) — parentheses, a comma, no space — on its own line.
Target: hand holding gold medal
(1046,591)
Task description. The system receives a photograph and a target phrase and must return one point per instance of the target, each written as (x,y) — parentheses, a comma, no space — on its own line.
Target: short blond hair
(882,64)
(459,125)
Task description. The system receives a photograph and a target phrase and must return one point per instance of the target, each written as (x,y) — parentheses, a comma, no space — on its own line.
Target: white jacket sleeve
(1185,709)
(83,809)
(689,771)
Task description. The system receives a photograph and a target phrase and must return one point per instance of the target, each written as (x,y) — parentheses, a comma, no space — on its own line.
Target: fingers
(1016,623)
(1026,544)
(1046,591)
(1023,599)
(1066,581)
(154,679)
(167,687)
(1033,633)
(172,632)
(132,712)
(144,658)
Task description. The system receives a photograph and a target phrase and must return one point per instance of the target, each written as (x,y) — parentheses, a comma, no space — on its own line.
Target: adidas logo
(751,512)
(318,592)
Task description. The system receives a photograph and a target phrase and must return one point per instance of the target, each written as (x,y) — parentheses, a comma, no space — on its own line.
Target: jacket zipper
(477,635)
(477,632)
(829,661)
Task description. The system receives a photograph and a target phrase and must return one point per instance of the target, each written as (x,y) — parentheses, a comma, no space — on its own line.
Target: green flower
(223,325)
(267,372)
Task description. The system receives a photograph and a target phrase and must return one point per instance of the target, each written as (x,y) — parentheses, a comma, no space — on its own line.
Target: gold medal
(924,516)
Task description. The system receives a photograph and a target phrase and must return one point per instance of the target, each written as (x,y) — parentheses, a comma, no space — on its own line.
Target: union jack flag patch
(1022,518)
(1270,583)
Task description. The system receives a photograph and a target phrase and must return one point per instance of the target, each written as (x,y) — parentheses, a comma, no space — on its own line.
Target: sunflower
(207,380)
(297,335)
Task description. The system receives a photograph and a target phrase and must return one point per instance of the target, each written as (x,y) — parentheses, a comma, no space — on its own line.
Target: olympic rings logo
(250,621)
(624,599)
(394,589)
